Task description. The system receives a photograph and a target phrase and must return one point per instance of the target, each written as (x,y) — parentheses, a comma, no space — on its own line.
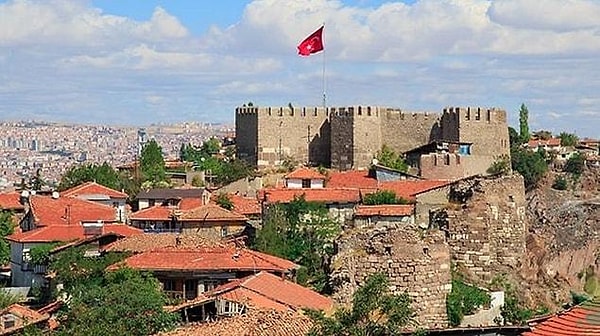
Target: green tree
(383,197)
(224,201)
(152,163)
(375,311)
(103,174)
(501,166)
(388,158)
(7,227)
(568,139)
(464,300)
(543,135)
(514,137)
(560,183)
(126,302)
(211,146)
(575,164)
(301,231)
(532,165)
(524,123)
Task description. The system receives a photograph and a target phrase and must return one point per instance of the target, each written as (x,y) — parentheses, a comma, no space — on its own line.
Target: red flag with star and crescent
(312,44)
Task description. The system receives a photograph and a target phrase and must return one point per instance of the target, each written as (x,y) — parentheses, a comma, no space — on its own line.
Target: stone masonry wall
(403,131)
(416,265)
(487,225)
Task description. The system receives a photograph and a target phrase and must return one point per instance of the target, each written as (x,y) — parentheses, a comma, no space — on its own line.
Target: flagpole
(324,81)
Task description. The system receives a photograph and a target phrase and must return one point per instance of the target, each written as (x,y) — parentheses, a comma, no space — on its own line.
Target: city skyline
(151,62)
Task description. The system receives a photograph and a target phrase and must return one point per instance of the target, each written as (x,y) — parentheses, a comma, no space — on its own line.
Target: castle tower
(267,136)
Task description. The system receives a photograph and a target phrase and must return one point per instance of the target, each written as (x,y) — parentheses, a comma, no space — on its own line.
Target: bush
(560,183)
(464,300)
(383,197)
(575,164)
(500,167)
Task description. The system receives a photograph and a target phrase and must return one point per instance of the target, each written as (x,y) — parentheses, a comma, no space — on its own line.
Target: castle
(461,141)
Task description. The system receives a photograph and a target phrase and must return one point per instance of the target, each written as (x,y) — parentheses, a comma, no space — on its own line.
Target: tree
(524,123)
(383,197)
(126,302)
(500,167)
(388,158)
(575,164)
(152,163)
(301,231)
(514,137)
(375,311)
(7,227)
(532,165)
(560,183)
(211,146)
(224,201)
(568,139)
(103,174)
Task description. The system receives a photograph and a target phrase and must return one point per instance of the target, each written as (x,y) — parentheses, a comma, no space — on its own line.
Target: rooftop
(10,201)
(67,233)
(92,188)
(49,211)
(390,210)
(171,193)
(254,323)
(327,195)
(265,290)
(151,241)
(579,320)
(360,179)
(304,173)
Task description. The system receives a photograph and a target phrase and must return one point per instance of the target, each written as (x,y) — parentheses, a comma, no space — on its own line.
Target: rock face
(564,236)
(416,264)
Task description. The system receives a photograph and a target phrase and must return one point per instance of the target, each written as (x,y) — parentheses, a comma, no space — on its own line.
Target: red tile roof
(327,195)
(10,201)
(152,241)
(305,173)
(68,211)
(26,317)
(92,188)
(352,179)
(67,233)
(253,323)
(247,206)
(156,213)
(581,320)
(226,258)
(408,189)
(265,290)
(552,142)
(385,210)
(212,213)
(189,203)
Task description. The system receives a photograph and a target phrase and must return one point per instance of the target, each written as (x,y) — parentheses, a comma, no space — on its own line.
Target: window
(168,285)
(306,183)
(9,321)
(224,231)
(26,255)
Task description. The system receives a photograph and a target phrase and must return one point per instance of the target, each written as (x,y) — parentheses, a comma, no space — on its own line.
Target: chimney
(55,195)
(93,228)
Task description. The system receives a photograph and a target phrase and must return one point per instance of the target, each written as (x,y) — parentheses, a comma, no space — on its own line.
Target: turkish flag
(312,44)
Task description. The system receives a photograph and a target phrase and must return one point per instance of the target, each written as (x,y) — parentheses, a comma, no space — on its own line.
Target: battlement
(477,113)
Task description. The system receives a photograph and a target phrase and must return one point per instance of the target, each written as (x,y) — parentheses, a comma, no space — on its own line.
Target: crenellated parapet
(474,114)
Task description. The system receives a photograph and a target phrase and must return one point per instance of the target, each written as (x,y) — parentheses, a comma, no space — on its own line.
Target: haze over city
(135,63)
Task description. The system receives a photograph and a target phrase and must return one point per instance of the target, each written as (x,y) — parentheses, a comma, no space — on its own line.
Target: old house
(384,215)
(304,178)
(191,216)
(58,220)
(157,196)
(11,202)
(92,191)
(188,265)
(14,318)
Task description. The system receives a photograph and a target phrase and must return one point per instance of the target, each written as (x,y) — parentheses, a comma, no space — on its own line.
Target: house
(304,178)
(14,318)
(11,201)
(552,144)
(268,291)
(447,160)
(253,322)
(384,215)
(190,216)
(190,266)
(579,320)
(58,220)
(152,197)
(92,191)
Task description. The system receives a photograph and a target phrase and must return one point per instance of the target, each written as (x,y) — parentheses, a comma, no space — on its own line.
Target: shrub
(575,164)
(560,183)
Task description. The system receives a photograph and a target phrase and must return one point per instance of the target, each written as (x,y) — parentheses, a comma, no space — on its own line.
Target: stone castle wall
(416,265)
(349,137)
(487,224)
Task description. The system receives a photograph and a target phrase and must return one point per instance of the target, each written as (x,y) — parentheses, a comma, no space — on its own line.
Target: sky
(137,62)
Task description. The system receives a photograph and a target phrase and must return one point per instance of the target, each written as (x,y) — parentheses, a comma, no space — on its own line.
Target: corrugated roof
(578,321)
